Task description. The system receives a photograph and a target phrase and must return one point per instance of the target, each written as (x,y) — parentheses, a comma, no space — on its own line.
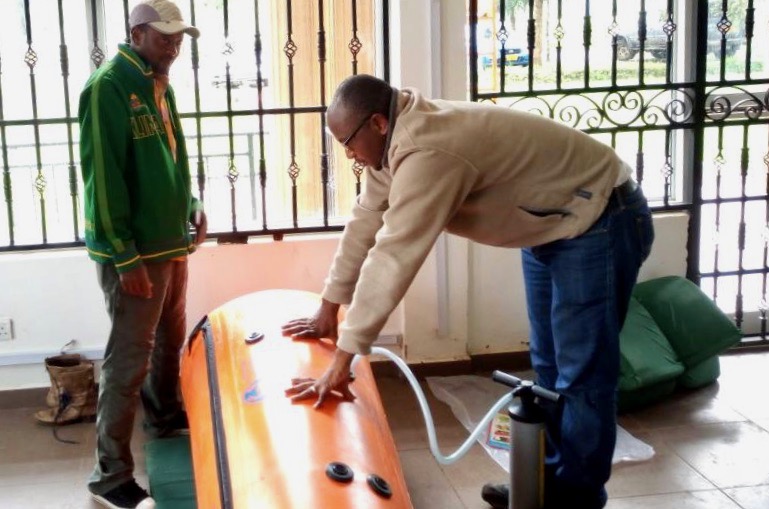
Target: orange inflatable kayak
(251,446)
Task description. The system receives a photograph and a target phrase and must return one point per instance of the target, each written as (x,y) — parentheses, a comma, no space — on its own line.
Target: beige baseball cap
(162,15)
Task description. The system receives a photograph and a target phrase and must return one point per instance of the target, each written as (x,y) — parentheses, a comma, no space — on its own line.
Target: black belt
(626,188)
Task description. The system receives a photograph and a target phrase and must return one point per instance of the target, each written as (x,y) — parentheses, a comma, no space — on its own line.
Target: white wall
(467,299)
(497,316)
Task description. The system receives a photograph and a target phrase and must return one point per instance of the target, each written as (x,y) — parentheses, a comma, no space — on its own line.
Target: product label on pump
(499,431)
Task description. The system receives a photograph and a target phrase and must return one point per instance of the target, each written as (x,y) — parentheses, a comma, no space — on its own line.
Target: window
(252,92)
(678,88)
(41,182)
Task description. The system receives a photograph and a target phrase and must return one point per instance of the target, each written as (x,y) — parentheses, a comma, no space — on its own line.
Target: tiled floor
(712,452)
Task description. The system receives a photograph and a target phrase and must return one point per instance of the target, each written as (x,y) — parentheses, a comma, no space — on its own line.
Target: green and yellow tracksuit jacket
(138,202)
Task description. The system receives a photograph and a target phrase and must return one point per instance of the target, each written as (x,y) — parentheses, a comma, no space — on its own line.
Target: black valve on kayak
(379,485)
(254,337)
(339,472)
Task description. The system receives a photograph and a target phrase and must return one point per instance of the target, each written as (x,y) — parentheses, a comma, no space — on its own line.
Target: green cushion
(631,400)
(646,357)
(704,373)
(169,468)
(691,322)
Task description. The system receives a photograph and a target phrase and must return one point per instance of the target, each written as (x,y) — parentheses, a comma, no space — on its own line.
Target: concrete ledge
(39,356)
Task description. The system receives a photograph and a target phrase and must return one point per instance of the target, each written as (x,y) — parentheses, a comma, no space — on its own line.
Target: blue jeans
(577,292)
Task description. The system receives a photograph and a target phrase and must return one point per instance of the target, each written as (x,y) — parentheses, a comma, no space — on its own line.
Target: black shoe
(128,495)
(177,426)
(496,495)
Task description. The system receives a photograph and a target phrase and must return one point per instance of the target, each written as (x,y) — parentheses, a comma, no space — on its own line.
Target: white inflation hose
(429,424)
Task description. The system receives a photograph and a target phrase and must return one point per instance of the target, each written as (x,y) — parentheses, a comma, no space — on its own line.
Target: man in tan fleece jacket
(502,178)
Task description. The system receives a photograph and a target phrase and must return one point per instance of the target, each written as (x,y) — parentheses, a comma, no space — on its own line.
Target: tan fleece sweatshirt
(490,174)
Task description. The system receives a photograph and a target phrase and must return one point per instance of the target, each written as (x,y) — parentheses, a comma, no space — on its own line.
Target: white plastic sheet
(471,396)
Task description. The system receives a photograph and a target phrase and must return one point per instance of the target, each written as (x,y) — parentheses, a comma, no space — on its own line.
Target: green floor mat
(169,468)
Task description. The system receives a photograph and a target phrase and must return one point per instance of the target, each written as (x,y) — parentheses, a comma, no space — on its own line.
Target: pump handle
(514,382)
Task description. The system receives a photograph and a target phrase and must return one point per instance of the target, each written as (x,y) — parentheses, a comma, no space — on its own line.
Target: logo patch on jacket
(144,126)
(135,102)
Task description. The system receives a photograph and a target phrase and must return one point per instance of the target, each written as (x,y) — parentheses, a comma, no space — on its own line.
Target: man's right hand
(322,325)
(136,282)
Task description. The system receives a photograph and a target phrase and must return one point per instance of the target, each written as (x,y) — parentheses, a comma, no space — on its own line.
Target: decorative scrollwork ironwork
(357,170)
(290,48)
(559,33)
(623,108)
(719,161)
(502,34)
(30,58)
(536,105)
(355,45)
(40,183)
(616,109)
(724,24)
(673,107)
(667,169)
(669,27)
(293,171)
(232,172)
(577,114)
(97,56)
(733,103)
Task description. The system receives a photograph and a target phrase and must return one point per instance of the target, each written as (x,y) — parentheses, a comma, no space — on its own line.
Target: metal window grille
(252,93)
(679,89)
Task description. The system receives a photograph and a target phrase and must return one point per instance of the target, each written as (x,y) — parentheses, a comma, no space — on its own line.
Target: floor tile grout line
(687,463)
(732,499)
(711,481)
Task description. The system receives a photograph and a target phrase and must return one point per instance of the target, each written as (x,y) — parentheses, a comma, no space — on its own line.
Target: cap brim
(174,27)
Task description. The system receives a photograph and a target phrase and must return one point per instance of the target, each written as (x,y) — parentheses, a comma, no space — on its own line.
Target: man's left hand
(200,222)
(336,380)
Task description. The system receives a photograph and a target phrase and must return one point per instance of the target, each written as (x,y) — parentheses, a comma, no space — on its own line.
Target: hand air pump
(527,437)
(527,440)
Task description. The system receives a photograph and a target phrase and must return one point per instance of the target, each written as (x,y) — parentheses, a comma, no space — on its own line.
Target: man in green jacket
(138,208)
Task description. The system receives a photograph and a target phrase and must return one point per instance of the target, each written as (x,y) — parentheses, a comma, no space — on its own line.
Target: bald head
(362,95)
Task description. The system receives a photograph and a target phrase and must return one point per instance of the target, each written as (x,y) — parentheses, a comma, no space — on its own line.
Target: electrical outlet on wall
(6,329)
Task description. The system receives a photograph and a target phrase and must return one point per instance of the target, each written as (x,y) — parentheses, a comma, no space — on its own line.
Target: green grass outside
(627,73)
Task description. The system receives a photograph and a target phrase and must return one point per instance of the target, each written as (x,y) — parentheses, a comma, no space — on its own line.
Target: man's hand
(336,380)
(136,282)
(200,222)
(322,325)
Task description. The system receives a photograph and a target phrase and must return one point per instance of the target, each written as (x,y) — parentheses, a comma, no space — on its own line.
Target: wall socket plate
(6,329)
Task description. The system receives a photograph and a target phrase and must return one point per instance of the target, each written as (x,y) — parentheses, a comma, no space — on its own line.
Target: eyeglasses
(347,140)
